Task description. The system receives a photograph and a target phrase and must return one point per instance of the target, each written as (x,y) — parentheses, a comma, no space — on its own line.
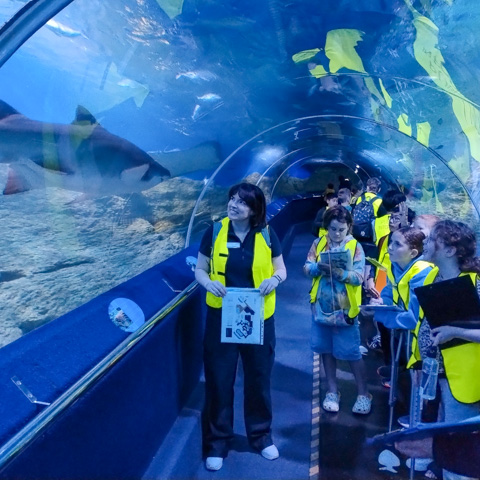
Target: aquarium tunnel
(122,126)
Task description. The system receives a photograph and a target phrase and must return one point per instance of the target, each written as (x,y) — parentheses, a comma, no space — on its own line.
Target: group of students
(238,253)
(415,251)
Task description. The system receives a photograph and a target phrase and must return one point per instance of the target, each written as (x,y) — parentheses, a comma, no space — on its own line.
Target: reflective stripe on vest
(401,291)
(262,267)
(462,366)
(381,227)
(461,362)
(354,292)
(415,356)
(383,255)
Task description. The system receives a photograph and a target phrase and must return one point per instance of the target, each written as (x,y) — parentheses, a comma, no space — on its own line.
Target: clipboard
(387,314)
(341,259)
(452,302)
(242,316)
(376,263)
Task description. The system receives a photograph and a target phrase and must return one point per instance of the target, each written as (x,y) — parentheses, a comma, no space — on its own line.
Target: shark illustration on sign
(81,156)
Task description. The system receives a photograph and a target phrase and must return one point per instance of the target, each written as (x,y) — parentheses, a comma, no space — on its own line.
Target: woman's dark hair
(413,237)
(255,199)
(338,213)
(462,237)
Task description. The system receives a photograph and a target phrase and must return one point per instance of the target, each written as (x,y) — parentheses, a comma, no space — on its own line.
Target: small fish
(196,112)
(200,75)
(210,97)
(62,30)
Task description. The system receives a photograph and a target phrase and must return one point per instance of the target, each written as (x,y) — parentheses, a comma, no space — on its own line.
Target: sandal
(363,405)
(332,402)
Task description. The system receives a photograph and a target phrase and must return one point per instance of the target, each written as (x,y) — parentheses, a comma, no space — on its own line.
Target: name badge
(233,245)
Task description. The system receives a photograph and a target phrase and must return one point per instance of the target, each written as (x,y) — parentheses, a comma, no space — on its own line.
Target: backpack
(363,216)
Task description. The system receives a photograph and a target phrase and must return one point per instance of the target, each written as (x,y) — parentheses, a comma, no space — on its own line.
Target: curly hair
(413,237)
(462,238)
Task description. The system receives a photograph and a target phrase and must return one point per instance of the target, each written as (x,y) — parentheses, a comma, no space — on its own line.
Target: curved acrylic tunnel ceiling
(99,98)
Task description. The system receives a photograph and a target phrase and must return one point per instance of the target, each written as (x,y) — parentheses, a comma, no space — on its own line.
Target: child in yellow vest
(335,297)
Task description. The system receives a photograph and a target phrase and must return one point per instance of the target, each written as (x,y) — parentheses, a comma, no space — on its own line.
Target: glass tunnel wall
(123,124)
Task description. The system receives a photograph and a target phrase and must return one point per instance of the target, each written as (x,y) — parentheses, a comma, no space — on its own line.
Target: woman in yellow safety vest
(451,247)
(336,262)
(242,252)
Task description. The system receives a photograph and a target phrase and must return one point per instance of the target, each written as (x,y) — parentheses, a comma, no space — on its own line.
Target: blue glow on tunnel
(99,100)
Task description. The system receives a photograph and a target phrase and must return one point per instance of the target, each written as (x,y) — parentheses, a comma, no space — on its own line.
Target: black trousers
(220,361)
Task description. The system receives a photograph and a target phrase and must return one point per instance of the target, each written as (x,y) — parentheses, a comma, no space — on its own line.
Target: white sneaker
(404,421)
(270,453)
(214,463)
(421,464)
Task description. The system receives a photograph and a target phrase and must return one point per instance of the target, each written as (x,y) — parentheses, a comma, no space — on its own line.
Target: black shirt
(238,271)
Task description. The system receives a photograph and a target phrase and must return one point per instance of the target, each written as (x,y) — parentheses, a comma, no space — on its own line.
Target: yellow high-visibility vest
(401,290)
(381,226)
(262,267)
(354,292)
(461,362)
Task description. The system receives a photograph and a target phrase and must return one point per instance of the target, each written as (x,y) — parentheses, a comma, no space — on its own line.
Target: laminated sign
(242,316)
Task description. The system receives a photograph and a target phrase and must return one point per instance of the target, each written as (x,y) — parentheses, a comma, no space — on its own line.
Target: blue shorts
(342,342)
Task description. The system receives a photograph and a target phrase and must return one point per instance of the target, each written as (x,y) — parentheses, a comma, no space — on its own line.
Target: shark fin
(16,183)
(133,175)
(84,117)
(6,110)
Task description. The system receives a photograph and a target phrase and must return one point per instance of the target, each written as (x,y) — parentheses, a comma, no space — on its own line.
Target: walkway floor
(332,448)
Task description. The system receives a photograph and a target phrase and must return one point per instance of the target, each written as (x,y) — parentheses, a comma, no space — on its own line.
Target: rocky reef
(59,249)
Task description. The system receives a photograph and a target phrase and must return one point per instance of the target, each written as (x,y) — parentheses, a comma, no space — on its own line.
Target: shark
(81,156)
